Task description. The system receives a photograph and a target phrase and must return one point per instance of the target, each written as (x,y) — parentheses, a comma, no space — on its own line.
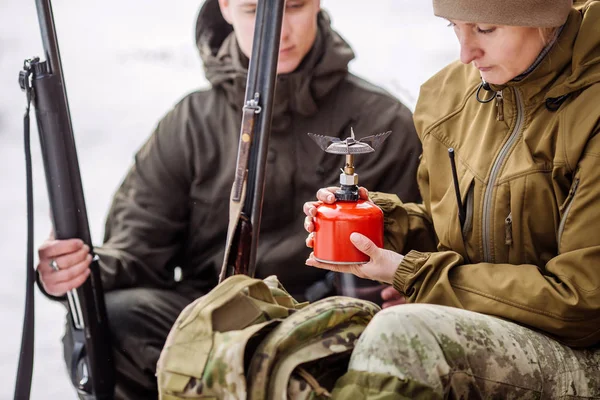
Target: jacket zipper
(508,237)
(500,105)
(563,220)
(489,190)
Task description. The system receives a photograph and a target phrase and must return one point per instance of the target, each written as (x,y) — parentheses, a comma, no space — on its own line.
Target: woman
(512,282)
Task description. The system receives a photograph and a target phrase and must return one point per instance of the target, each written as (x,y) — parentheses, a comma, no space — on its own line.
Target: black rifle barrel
(91,369)
(56,135)
(262,75)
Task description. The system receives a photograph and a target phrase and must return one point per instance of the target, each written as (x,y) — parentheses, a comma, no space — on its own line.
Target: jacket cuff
(411,263)
(386,201)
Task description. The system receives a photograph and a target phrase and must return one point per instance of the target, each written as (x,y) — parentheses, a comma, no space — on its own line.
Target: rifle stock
(91,369)
(248,187)
(243,243)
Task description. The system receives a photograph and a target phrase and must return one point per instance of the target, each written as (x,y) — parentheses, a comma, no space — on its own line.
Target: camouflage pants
(422,351)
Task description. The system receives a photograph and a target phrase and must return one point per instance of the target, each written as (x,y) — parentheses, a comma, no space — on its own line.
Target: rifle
(248,187)
(91,369)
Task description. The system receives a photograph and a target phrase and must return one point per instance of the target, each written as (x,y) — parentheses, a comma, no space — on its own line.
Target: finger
(310,208)
(326,195)
(309,226)
(66,275)
(64,262)
(69,260)
(311,261)
(44,267)
(62,288)
(310,241)
(364,244)
(56,248)
(389,293)
(53,247)
(363,193)
(354,269)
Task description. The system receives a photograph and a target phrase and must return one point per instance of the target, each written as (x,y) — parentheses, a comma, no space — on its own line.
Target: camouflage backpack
(249,339)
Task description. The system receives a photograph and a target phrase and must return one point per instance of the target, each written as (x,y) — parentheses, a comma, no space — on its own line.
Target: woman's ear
(225,10)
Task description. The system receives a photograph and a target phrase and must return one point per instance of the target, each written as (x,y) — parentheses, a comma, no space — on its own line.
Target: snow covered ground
(126,62)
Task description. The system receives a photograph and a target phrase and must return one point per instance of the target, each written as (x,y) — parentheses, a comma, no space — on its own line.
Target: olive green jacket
(529,250)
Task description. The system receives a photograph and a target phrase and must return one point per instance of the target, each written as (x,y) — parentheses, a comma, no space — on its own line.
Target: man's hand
(63,265)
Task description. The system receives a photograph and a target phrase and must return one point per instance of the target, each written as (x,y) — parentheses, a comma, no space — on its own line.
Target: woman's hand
(327,196)
(63,265)
(391,297)
(381,267)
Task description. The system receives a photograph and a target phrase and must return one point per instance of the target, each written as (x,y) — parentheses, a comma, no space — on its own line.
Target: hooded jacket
(172,208)
(529,173)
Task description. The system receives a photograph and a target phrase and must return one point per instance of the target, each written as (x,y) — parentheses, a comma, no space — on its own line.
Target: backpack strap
(319,390)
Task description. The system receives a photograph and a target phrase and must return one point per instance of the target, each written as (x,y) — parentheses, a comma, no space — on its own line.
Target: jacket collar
(298,92)
(553,69)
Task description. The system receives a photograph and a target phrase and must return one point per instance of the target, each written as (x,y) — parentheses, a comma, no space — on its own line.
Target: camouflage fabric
(203,356)
(305,354)
(248,338)
(422,351)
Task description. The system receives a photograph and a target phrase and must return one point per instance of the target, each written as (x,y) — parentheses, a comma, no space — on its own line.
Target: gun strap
(25,368)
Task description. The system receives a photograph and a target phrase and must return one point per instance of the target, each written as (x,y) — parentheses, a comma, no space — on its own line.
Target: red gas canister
(334,223)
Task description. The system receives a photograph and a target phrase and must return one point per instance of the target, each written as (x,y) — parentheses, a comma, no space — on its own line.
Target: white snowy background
(126,63)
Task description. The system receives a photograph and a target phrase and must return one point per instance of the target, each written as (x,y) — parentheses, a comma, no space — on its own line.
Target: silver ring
(54,265)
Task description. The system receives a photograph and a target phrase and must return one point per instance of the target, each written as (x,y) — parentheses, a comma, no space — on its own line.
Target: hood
(323,68)
(211,32)
(573,62)
(585,53)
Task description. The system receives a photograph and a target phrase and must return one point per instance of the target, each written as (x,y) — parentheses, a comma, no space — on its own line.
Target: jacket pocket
(508,236)
(564,209)
(457,237)
(468,202)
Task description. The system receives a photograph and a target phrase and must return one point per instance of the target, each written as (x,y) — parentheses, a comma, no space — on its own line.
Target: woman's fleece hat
(534,13)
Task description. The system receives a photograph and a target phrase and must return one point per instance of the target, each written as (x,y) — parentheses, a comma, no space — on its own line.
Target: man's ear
(225,10)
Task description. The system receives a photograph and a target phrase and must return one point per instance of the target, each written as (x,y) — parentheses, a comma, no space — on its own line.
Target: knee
(127,310)
(123,305)
(400,324)
(399,337)
(400,351)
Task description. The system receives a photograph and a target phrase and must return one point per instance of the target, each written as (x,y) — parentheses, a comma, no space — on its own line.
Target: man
(166,229)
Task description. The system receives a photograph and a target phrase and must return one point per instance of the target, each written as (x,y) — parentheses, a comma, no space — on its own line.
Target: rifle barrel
(264,61)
